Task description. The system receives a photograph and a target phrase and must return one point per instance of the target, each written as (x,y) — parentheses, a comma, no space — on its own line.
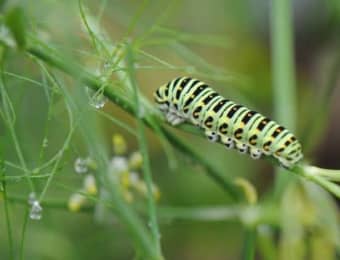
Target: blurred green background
(225,43)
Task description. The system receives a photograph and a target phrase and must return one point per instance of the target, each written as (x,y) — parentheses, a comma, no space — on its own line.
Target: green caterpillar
(235,126)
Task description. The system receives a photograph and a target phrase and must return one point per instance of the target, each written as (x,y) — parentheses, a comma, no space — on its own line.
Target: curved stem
(51,57)
(43,52)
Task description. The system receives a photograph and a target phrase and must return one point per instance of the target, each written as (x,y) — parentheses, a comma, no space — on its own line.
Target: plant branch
(283,73)
(54,59)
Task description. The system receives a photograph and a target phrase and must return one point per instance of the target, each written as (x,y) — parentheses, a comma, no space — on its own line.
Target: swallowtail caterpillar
(187,99)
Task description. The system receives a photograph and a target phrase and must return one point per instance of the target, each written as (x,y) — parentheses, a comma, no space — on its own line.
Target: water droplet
(99,101)
(96,99)
(80,165)
(36,211)
(31,198)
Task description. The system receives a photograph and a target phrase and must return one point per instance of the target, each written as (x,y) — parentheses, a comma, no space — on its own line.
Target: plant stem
(8,222)
(283,73)
(249,243)
(144,151)
(23,232)
(51,57)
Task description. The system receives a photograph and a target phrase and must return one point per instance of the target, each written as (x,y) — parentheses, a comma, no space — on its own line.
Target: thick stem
(283,73)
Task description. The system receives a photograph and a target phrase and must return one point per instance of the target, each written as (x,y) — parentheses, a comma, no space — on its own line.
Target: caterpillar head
(161,97)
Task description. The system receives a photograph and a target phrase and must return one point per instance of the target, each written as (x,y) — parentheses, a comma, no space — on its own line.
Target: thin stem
(5,199)
(96,146)
(8,221)
(66,143)
(48,55)
(9,119)
(51,57)
(249,243)
(23,232)
(260,214)
(329,174)
(144,151)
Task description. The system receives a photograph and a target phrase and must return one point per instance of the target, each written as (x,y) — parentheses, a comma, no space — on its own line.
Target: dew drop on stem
(36,211)
(31,198)
(80,165)
(96,99)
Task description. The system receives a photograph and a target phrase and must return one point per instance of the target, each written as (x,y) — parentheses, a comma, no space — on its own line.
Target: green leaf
(15,20)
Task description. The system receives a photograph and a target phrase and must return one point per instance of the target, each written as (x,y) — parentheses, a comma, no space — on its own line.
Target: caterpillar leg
(255,153)
(163,107)
(174,119)
(241,147)
(211,135)
(228,142)
(285,164)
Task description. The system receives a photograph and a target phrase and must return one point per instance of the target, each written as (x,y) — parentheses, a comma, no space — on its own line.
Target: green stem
(23,232)
(249,243)
(96,146)
(5,199)
(266,243)
(283,72)
(261,214)
(329,174)
(144,151)
(10,123)
(48,55)
(65,146)
(8,222)
(52,58)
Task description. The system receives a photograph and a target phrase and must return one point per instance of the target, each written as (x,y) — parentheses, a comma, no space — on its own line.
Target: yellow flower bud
(248,189)
(119,144)
(76,201)
(125,179)
(135,161)
(90,185)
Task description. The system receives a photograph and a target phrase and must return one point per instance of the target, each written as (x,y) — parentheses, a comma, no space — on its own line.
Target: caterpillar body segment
(235,126)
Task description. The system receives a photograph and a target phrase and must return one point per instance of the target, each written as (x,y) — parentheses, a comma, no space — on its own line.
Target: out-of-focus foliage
(50,121)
